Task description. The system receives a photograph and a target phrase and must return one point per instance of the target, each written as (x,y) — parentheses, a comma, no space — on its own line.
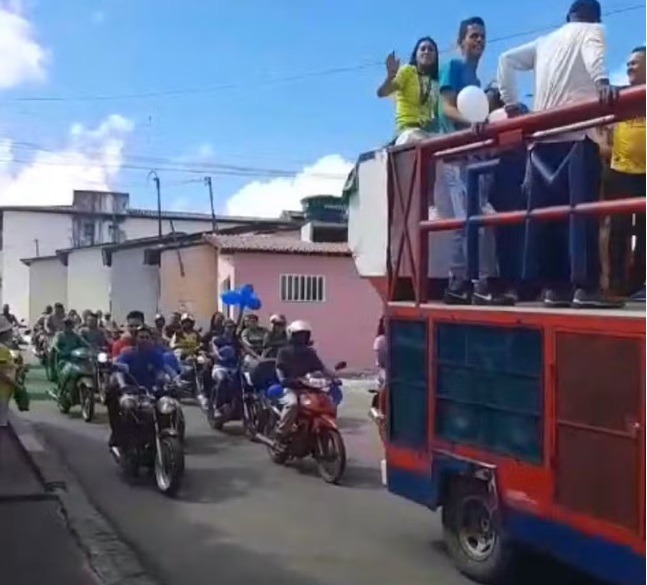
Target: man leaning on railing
(570,67)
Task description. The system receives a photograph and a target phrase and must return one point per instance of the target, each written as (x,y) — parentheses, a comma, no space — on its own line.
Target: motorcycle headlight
(166,405)
(128,402)
(102,358)
(202,360)
(15,354)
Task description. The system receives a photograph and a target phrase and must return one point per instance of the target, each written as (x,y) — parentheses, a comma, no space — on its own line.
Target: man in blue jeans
(569,66)
(451,201)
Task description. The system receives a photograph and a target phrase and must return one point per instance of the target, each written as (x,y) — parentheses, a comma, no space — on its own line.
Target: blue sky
(237,54)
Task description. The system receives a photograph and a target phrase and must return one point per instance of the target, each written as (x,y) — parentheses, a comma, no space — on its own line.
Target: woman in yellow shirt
(415,88)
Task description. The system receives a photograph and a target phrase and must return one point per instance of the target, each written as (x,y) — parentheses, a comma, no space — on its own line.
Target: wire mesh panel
(598,398)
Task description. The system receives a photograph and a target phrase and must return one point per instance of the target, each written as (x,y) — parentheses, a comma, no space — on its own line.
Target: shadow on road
(174,547)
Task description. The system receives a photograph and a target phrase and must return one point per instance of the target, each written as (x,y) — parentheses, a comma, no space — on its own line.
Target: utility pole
(214,226)
(156,180)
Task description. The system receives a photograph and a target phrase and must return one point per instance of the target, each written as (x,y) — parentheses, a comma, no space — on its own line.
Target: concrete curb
(111,559)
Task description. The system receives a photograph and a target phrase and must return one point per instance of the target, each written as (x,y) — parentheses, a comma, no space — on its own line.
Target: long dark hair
(381,330)
(433,71)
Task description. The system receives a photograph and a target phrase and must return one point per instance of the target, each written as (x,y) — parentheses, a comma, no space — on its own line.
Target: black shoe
(594,299)
(556,299)
(112,441)
(485,296)
(458,293)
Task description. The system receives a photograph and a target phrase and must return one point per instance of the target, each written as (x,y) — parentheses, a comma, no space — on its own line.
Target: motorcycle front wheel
(330,455)
(169,466)
(86,396)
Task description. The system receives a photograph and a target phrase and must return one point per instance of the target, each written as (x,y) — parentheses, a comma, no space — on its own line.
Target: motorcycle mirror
(340,366)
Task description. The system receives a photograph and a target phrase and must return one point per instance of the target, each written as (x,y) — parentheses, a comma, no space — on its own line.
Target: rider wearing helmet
(294,361)
(187,339)
(276,337)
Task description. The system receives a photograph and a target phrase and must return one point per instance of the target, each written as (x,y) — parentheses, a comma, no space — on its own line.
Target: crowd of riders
(160,350)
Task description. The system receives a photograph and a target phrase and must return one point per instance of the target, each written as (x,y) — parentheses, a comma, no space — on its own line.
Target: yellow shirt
(415,106)
(628,154)
(7,367)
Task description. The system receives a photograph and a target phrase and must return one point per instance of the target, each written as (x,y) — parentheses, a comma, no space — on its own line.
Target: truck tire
(473,532)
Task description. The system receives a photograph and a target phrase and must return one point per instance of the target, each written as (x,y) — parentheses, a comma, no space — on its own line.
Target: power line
(287,79)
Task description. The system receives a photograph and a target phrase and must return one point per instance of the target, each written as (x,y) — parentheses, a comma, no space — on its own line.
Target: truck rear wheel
(473,533)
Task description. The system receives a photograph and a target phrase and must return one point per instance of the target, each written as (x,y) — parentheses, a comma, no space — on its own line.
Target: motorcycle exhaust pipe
(116,453)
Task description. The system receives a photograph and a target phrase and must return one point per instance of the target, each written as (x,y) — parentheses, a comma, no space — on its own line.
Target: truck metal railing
(411,170)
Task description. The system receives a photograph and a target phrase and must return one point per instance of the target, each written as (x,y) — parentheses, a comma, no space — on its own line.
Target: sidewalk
(36,547)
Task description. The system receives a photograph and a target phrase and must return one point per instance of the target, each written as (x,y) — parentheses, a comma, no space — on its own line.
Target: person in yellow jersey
(626,178)
(415,89)
(7,371)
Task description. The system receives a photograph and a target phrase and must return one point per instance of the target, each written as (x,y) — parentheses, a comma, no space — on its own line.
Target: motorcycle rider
(252,339)
(63,344)
(224,359)
(186,339)
(92,334)
(159,326)
(294,361)
(40,333)
(9,316)
(134,320)
(276,337)
(54,322)
(146,368)
(174,325)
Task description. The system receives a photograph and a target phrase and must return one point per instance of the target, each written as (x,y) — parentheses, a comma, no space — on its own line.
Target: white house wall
(48,285)
(133,285)
(53,231)
(20,231)
(88,280)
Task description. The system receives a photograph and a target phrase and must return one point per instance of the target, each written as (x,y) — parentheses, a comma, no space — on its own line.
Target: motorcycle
(315,431)
(192,376)
(20,367)
(103,373)
(238,394)
(77,383)
(151,438)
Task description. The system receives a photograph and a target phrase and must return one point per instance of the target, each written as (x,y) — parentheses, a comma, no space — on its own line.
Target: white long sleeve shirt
(567,64)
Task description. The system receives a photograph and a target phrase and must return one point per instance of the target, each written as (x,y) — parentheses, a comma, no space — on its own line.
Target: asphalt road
(240,518)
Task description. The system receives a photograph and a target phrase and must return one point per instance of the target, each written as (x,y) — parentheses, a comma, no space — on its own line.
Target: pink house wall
(343,325)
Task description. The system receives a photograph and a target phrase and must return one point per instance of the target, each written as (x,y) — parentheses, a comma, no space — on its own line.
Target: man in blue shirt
(451,199)
(146,368)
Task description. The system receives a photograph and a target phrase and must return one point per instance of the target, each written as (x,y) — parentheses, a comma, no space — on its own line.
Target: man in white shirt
(570,67)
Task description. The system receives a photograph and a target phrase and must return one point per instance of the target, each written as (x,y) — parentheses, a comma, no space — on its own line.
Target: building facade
(94,218)
(314,281)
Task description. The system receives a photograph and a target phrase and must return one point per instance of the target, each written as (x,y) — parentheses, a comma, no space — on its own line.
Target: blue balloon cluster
(244,298)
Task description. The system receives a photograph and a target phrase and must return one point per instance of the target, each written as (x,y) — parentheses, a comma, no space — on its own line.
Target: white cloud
(91,159)
(23,59)
(619,76)
(268,198)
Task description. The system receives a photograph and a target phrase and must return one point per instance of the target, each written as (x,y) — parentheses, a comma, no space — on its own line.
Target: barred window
(300,288)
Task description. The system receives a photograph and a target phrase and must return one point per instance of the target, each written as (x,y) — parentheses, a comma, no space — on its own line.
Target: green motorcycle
(77,385)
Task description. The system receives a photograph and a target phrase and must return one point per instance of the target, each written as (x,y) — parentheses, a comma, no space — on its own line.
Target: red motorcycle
(315,431)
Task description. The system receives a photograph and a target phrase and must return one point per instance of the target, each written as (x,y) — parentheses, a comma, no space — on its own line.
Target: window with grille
(301,288)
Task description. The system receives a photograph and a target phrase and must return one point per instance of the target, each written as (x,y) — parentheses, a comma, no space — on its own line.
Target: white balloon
(498,115)
(472,103)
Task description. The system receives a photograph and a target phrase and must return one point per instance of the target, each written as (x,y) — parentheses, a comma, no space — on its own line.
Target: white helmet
(299,327)
(187,317)
(276,318)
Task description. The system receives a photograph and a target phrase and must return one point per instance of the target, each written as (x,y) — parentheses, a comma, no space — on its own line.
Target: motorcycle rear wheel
(169,466)
(330,455)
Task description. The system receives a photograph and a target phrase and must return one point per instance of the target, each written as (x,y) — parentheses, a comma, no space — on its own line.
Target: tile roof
(268,244)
